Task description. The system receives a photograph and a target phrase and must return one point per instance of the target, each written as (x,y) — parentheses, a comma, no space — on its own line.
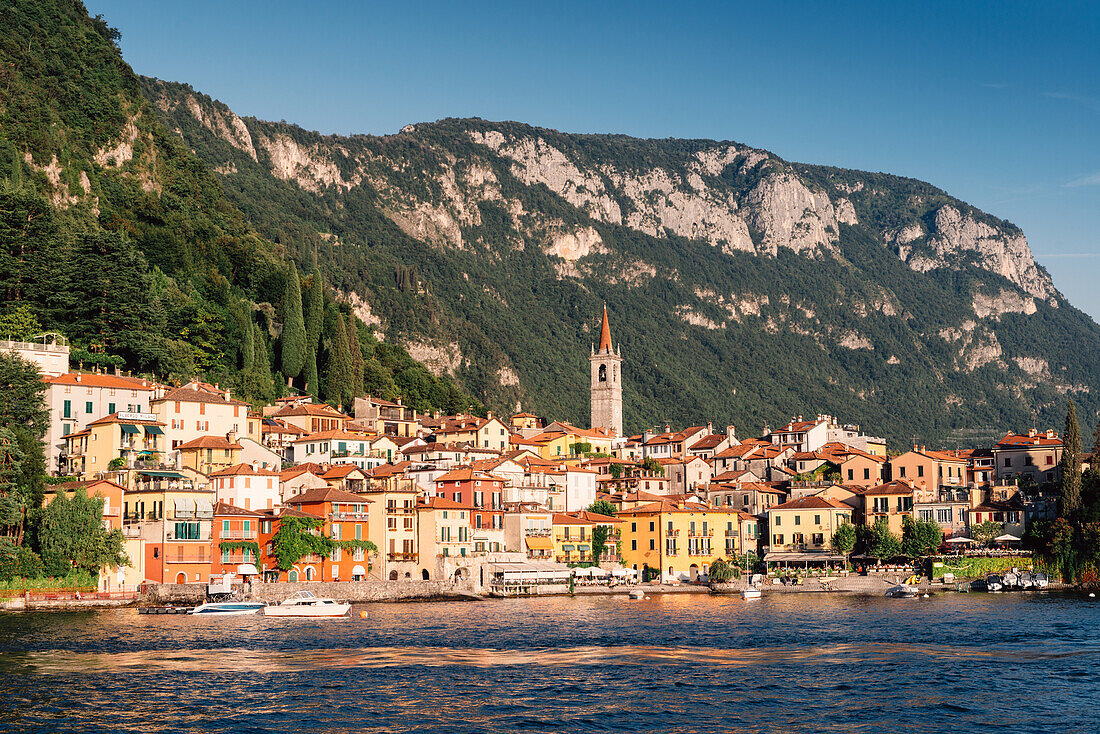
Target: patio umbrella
(1006,538)
(960,540)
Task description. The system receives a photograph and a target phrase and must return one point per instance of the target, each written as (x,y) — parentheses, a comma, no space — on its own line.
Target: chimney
(730,432)
(710,428)
(78,377)
(1031,432)
(227,396)
(489,415)
(668,428)
(118,372)
(231,437)
(914,447)
(923,449)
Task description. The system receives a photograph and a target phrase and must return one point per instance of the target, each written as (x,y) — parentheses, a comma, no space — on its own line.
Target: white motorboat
(1040,580)
(227,608)
(993,582)
(637,594)
(751,593)
(305,604)
(902,591)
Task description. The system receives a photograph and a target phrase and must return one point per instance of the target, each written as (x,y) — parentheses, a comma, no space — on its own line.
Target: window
(652,544)
(88,408)
(902,470)
(778,521)
(925,514)
(797,520)
(358,532)
(943,515)
(1008,461)
(634,545)
(851,474)
(67,412)
(778,539)
(817,519)
(867,473)
(634,527)
(1050,460)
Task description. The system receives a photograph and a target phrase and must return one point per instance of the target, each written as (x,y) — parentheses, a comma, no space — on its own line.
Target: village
(200,486)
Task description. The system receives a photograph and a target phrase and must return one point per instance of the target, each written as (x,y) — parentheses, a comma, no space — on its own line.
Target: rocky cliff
(742,286)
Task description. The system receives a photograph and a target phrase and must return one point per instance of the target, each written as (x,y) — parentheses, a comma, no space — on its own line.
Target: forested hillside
(113,233)
(743,288)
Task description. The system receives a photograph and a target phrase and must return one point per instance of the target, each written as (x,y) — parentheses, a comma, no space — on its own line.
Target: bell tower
(607,383)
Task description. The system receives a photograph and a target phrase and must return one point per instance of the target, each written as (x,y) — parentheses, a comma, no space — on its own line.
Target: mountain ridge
(686,236)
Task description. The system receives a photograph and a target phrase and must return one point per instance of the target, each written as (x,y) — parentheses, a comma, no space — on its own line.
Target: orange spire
(605,333)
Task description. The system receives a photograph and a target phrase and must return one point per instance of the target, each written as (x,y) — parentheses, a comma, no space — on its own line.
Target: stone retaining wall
(351,591)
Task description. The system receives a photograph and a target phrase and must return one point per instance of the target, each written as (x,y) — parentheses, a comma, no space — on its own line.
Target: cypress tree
(338,368)
(312,387)
(314,304)
(247,341)
(356,356)
(260,363)
(1070,466)
(293,343)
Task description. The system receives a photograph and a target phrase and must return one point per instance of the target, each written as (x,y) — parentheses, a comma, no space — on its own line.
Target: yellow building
(677,540)
(127,439)
(443,529)
(806,524)
(573,532)
(172,517)
(208,454)
(561,440)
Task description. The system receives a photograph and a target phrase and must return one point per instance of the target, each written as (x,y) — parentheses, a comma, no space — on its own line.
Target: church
(607,383)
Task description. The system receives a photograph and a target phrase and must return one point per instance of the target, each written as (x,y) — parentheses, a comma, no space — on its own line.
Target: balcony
(731,533)
(236,558)
(238,535)
(401,556)
(673,534)
(536,533)
(396,510)
(350,515)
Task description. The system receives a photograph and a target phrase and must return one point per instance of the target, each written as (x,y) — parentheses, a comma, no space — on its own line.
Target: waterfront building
(346,519)
(929,471)
(675,541)
(528,528)
(443,529)
(1034,456)
(890,502)
(805,525)
(172,515)
(573,533)
(234,539)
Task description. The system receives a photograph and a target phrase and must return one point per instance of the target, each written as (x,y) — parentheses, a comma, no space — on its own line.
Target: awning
(583,547)
(358,571)
(800,557)
(568,548)
(185,507)
(127,428)
(537,543)
(153,431)
(203,508)
(161,474)
(247,569)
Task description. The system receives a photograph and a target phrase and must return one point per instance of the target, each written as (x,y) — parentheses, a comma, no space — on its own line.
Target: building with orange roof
(114,443)
(342,447)
(235,537)
(278,434)
(891,503)
(346,519)
(524,422)
(805,525)
(312,417)
(1035,455)
(172,516)
(677,541)
(247,487)
(752,497)
(75,399)
(386,418)
(486,433)
(209,454)
(929,471)
(443,531)
(573,534)
(201,409)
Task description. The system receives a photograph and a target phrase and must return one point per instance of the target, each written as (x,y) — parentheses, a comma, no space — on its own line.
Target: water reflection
(683,663)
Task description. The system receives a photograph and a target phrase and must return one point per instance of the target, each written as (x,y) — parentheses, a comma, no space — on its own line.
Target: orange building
(345,517)
(231,533)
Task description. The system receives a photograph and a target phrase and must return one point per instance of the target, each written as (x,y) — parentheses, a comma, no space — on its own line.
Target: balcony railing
(673,533)
(536,533)
(238,535)
(401,556)
(731,533)
(349,516)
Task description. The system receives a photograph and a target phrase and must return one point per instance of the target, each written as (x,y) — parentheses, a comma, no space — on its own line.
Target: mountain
(115,234)
(743,288)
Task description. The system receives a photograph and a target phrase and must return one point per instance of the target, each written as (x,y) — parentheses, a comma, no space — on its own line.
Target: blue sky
(998,103)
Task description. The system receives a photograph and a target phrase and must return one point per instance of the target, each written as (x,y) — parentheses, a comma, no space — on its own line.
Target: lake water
(784,663)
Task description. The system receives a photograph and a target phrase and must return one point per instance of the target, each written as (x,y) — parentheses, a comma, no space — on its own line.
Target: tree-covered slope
(115,234)
(742,287)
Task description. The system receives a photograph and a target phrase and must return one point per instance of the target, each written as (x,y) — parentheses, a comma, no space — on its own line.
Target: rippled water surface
(785,663)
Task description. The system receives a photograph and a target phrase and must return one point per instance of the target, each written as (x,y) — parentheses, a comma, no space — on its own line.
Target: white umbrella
(247,569)
(960,540)
(1006,538)
(596,571)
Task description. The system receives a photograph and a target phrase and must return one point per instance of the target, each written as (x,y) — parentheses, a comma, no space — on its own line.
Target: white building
(247,487)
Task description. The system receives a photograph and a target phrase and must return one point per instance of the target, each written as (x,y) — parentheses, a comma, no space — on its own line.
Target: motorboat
(1011,580)
(902,591)
(637,594)
(1040,580)
(978,585)
(1027,581)
(306,604)
(751,593)
(993,582)
(227,608)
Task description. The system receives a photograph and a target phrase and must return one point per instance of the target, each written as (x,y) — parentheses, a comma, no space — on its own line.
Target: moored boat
(1027,581)
(227,608)
(1011,580)
(305,604)
(751,593)
(902,591)
(1040,580)
(993,582)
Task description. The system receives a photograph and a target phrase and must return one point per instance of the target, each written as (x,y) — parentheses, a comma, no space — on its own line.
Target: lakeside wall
(351,591)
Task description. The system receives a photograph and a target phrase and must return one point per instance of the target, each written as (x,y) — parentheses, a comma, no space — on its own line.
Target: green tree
(1070,467)
(881,543)
(844,539)
(920,538)
(72,529)
(720,571)
(293,341)
(356,350)
(19,324)
(602,507)
(616,470)
(652,466)
(314,310)
(296,537)
(984,533)
(338,366)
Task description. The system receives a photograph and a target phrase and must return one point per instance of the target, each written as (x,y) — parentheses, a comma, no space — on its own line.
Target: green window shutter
(225,528)
(68,409)
(88,408)
(247,526)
